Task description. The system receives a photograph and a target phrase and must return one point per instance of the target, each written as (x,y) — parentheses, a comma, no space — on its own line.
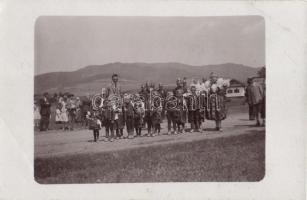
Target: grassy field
(237,158)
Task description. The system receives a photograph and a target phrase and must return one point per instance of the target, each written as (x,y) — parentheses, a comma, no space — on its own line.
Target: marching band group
(192,104)
(187,103)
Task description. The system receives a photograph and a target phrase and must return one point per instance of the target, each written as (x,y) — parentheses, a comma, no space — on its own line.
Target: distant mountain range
(91,79)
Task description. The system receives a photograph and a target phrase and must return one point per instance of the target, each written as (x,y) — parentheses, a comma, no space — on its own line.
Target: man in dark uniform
(181,113)
(255,98)
(250,106)
(163,94)
(117,121)
(107,120)
(45,113)
(129,113)
(194,114)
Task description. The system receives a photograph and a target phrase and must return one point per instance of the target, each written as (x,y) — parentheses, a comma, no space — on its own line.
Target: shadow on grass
(250,125)
(211,129)
(246,120)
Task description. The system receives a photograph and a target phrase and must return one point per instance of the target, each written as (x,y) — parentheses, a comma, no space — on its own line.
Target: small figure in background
(95,125)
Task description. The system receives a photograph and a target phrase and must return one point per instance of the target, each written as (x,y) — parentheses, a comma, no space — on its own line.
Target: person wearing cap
(180,114)
(255,96)
(107,120)
(216,110)
(129,113)
(118,121)
(139,108)
(170,113)
(45,113)
(156,116)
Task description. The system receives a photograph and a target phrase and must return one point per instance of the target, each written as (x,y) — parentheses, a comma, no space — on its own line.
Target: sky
(69,43)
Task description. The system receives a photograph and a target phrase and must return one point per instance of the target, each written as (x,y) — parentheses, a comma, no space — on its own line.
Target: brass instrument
(115,102)
(97,102)
(203,103)
(156,102)
(192,102)
(171,102)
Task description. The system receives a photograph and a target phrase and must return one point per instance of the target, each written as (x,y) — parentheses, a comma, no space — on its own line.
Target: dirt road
(61,143)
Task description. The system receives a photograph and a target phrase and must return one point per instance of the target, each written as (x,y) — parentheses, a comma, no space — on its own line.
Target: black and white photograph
(149,99)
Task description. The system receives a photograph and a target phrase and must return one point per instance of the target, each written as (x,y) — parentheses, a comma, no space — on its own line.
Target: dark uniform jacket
(45,107)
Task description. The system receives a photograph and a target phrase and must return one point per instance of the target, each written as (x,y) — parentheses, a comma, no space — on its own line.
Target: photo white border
(285,26)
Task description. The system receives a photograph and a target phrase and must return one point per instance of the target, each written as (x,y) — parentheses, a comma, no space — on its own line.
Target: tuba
(156,102)
(97,102)
(115,102)
(171,102)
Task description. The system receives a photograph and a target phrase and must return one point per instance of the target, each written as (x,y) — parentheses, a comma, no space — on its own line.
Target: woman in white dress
(64,114)
(37,116)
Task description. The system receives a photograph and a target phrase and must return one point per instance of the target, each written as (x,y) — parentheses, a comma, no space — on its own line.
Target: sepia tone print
(149,99)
